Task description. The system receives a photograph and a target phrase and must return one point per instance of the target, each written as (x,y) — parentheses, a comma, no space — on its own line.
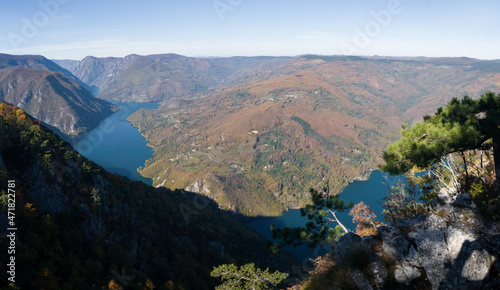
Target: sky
(74,29)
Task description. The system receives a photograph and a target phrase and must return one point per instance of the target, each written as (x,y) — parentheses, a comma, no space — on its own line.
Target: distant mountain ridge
(38,62)
(50,93)
(325,117)
(164,76)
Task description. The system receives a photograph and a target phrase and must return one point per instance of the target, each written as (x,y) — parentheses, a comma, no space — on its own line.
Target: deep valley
(232,137)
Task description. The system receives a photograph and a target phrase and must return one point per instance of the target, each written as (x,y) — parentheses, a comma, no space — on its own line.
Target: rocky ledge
(452,248)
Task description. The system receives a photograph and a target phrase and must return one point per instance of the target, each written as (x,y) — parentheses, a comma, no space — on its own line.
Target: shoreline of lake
(116,145)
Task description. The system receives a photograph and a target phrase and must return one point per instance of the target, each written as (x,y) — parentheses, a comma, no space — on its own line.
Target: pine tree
(246,277)
(321,213)
(458,127)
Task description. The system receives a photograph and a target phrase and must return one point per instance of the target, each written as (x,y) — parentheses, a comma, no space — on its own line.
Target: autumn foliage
(365,218)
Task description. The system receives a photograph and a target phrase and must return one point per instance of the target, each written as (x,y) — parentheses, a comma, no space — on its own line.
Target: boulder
(405,273)
(454,249)
(464,200)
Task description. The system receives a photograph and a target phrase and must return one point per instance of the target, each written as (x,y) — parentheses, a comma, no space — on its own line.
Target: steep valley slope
(38,62)
(51,94)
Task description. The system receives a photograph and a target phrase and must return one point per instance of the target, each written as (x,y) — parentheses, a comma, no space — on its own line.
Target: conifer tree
(460,126)
(246,277)
(320,213)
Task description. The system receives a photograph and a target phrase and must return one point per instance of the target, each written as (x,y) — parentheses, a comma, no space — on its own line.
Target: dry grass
(327,275)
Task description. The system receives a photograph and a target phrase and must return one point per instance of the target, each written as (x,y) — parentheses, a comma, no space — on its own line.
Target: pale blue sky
(73,29)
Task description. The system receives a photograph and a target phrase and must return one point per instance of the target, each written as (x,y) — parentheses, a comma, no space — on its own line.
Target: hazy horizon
(67,29)
(291,56)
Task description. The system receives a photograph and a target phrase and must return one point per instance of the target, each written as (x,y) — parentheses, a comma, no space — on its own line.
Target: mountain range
(247,135)
(254,133)
(51,94)
(158,77)
(38,62)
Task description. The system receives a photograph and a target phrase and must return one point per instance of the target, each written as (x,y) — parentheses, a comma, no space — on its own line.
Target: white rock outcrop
(452,250)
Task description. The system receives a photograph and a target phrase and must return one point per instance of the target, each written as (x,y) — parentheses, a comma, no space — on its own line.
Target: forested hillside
(80,227)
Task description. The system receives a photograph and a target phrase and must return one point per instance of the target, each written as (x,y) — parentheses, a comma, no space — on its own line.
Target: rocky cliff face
(452,248)
(38,62)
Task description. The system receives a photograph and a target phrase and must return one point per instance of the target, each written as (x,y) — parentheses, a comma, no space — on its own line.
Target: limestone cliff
(451,248)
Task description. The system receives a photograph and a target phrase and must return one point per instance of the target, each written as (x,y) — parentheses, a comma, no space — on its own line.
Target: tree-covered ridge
(277,141)
(50,93)
(80,227)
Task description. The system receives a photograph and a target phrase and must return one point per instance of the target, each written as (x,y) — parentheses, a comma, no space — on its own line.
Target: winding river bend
(116,145)
(119,147)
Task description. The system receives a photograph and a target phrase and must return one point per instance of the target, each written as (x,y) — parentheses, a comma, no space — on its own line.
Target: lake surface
(116,145)
(370,191)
